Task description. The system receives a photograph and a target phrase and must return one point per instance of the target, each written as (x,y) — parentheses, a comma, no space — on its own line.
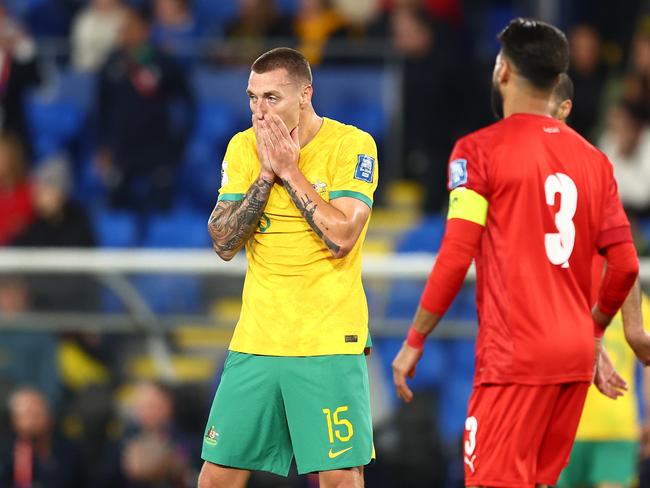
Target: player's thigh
(503,432)
(560,432)
(247,426)
(341,478)
(215,476)
(327,400)
(615,463)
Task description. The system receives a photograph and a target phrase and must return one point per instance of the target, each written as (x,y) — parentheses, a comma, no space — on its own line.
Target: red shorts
(519,435)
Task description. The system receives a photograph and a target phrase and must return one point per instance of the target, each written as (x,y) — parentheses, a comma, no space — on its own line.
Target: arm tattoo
(232,223)
(307,208)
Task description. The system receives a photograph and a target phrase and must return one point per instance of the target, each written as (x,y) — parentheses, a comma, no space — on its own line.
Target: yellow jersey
(298,300)
(604,419)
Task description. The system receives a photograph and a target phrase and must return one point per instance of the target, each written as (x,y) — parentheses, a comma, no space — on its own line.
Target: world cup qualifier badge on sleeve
(365,170)
(457,173)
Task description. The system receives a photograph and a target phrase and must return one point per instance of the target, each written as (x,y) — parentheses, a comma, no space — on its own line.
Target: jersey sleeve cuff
(351,194)
(230,197)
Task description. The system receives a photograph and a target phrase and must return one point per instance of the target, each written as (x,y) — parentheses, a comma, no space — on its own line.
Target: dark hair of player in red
(539,51)
(284,58)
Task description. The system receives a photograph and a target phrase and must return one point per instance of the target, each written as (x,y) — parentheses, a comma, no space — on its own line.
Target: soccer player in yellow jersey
(296,192)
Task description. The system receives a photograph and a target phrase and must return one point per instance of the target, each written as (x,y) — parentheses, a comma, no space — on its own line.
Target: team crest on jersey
(457,173)
(320,187)
(365,168)
(212,436)
(224,173)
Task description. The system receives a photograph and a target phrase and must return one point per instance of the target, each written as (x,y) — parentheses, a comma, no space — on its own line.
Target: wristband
(415,339)
(599,330)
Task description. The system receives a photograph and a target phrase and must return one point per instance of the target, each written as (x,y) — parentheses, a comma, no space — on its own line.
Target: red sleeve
(459,246)
(622,270)
(614,228)
(467,167)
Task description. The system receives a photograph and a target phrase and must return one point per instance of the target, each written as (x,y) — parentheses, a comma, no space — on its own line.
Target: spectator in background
(315,22)
(18,74)
(95,32)
(59,222)
(637,81)
(27,357)
(626,143)
(15,200)
(175,30)
(427,95)
(257,22)
(589,77)
(140,147)
(154,452)
(37,455)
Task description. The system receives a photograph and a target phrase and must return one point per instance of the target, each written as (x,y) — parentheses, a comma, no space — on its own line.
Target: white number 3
(559,245)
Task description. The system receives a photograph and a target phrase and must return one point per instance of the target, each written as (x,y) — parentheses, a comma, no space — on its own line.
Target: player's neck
(527,100)
(310,124)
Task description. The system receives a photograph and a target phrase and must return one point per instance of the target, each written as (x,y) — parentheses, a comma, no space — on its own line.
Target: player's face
(496,97)
(276,92)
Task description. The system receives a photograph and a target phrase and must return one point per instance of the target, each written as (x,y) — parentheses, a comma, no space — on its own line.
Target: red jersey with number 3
(552,202)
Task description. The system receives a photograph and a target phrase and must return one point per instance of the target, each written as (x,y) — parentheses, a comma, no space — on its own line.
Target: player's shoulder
(243,138)
(346,133)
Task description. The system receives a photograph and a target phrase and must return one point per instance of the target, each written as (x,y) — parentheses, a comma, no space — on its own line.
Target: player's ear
(565,109)
(504,70)
(305,95)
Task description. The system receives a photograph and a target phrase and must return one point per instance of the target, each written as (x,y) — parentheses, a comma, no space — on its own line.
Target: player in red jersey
(531,201)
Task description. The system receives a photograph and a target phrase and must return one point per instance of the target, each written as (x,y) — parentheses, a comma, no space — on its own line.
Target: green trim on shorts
(231,197)
(352,194)
(269,409)
(595,462)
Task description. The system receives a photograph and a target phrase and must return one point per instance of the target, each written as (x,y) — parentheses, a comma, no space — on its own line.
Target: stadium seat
(287,7)
(361,102)
(431,368)
(115,229)
(214,14)
(452,407)
(425,236)
(180,228)
(225,87)
(170,294)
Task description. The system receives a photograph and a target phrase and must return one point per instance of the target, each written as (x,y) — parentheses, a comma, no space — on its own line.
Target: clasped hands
(277,148)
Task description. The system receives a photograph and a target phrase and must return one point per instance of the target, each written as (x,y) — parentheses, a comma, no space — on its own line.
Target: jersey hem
(505,484)
(532,381)
(246,466)
(231,197)
(327,352)
(351,194)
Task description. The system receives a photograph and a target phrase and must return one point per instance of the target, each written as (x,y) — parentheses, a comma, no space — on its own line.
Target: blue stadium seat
(215,13)
(170,294)
(58,113)
(644,226)
(452,407)
(357,96)
(179,228)
(115,229)
(403,299)
(426,236)
(431,369)
(287,7)
(227,88)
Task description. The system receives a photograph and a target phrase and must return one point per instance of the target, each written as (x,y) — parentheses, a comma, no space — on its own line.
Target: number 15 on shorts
(337,425)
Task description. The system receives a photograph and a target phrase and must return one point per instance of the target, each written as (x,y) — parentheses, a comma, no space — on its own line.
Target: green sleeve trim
(231,197)
(351,194)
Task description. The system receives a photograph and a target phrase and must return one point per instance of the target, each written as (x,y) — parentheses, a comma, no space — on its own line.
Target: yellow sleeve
(236,169)
(357,172)
(467,204)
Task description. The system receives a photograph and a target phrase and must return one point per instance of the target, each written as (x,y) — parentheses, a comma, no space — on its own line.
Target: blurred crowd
(144,113)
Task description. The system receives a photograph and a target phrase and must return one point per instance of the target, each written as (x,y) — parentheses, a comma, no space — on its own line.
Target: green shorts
(595,462)
(269,409)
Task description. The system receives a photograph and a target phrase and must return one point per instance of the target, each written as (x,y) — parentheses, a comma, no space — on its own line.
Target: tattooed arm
(232,223)
(338,224)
